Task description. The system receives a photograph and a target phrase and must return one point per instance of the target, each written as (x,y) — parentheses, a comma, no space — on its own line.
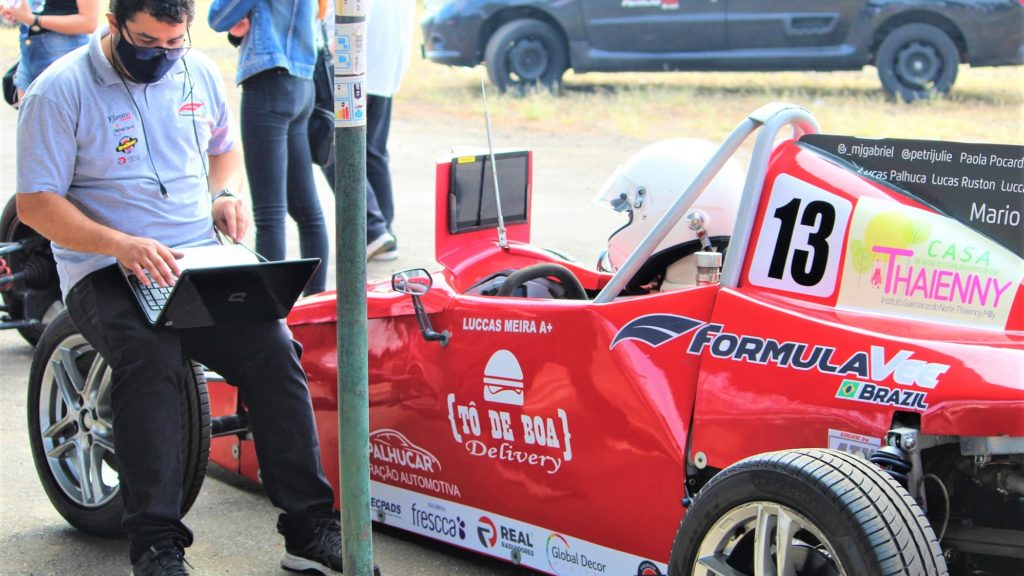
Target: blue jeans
(40,50)
(275,116)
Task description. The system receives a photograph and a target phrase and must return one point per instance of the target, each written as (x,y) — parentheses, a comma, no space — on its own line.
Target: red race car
(842,393)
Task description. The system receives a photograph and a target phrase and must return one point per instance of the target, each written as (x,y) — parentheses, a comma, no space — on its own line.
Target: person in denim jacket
(275,69)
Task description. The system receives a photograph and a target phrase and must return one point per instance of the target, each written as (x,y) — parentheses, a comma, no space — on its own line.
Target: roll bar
(772,118)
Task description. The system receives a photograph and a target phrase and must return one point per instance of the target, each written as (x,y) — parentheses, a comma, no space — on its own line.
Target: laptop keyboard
(155,296)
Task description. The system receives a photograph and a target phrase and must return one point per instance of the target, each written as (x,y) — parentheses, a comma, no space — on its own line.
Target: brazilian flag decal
(848,389)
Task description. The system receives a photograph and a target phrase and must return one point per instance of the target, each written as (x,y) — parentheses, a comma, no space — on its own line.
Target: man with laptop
(119,146)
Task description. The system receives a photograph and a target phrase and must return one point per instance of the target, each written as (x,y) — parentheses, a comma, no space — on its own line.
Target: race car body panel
(518,407)
(563,433)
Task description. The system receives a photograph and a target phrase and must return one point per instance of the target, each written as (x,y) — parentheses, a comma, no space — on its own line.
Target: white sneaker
(386,255)
(381,245)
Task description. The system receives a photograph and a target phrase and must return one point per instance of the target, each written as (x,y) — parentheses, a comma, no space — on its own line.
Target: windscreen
(471,201)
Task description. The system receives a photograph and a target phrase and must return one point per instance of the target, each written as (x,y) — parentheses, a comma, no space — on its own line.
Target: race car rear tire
(37,295)
(525,53)
(71,432)
(917,61)
(838,514)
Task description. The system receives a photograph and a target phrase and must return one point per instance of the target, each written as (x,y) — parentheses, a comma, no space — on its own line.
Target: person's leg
(376,226)
(147,375)
(262,360)
(378,172)
(303,202)
(265,118)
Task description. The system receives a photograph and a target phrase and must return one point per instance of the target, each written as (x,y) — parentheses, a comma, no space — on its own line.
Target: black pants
(147,373)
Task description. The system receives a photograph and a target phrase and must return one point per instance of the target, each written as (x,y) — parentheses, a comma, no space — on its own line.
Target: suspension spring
(894,461)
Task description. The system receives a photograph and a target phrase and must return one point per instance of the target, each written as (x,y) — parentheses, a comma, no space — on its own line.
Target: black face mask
(146,65)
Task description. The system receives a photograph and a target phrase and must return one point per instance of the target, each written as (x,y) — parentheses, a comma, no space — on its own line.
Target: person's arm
(226,13)
(82,23)
(229,213)
(60,221)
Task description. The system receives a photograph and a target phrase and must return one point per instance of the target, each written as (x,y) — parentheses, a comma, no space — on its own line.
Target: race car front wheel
(805,513)
(917,61)
(72,436)
(35,294)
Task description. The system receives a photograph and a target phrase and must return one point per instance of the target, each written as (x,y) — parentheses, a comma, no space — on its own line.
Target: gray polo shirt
(81,136)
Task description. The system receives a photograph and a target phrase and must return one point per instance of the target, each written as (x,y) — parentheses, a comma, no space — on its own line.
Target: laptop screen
(473,205)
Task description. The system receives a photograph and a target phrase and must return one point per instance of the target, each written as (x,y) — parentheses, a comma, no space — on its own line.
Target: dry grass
(987,104)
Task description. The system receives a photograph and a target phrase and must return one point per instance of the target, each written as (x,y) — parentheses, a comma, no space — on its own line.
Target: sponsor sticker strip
(502,537)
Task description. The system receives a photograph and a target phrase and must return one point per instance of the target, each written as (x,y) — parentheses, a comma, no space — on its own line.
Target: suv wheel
(526,53)
(917,61)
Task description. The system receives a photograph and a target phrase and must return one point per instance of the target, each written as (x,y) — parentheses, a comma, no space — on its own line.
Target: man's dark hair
(169,11)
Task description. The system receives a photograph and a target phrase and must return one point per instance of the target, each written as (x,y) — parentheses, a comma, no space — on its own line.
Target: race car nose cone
(503,379)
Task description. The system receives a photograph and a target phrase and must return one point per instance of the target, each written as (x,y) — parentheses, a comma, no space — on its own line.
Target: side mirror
(416,283)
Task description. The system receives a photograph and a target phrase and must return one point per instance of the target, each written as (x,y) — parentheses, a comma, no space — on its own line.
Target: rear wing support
(773,118)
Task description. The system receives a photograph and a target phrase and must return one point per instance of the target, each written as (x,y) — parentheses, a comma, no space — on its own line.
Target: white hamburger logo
(503,379)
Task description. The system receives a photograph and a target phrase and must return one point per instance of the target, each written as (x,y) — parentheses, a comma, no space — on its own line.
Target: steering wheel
(573,288)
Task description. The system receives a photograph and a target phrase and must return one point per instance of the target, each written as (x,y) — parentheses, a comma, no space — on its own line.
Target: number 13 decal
(801,241)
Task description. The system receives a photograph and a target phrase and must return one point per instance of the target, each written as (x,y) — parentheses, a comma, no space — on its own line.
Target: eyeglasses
(148,53)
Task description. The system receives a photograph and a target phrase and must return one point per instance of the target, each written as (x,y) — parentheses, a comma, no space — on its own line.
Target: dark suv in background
(917,45)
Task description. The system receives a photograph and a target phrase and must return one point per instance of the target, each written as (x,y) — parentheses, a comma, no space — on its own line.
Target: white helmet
(649,182)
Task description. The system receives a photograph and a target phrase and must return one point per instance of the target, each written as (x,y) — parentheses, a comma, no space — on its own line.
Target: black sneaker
(322,554)
(168,561)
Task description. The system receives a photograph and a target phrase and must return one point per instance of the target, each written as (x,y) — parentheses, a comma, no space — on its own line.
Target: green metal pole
(350,279)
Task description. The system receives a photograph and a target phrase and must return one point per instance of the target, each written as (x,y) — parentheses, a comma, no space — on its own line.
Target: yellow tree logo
(888,229)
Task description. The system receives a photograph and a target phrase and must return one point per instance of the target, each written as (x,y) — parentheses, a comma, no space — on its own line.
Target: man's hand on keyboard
(144,255)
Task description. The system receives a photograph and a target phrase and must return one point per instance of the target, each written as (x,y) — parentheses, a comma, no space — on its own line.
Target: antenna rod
(502,241)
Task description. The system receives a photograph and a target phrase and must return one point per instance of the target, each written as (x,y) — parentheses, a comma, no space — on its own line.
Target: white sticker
(856,444)
(801,240)
(350,49)
(485,532)
(350,7)
(912,263)
(349,101)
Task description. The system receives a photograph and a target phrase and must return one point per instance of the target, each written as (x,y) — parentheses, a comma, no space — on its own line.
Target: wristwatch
(224,192)
(35,24)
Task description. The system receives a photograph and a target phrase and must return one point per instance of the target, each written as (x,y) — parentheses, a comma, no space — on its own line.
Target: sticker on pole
(350,49)
(349,101)
(350,7)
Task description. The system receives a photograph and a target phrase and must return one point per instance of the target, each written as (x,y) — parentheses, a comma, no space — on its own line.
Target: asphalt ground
(233,521)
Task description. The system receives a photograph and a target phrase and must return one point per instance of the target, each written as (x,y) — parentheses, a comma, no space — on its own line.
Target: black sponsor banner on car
(981,185)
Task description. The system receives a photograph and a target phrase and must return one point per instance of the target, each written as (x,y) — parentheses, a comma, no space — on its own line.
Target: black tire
(38,295)
(526,53)
(57,435)
(844,515)
(917,61)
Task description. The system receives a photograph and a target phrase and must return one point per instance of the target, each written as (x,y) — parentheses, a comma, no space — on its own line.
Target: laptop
(223,284)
